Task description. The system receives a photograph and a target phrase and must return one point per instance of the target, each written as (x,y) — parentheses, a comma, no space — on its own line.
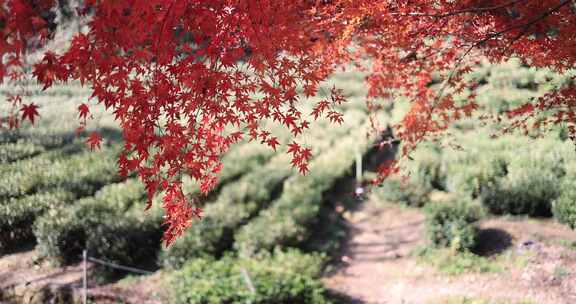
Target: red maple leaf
(94,140)
(83,111)
(30,112)
(273,142)
(176,110)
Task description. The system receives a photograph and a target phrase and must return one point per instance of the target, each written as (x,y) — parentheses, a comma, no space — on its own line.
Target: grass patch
(560,272)
(568,244)
(456,263)
(467,300)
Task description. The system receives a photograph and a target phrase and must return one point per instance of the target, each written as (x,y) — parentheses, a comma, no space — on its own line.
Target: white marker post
(84,278)
(358,168)
(247,280)
(359,191)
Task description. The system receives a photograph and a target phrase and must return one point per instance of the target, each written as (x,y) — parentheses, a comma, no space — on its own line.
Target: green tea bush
(468,172)
(452,224)
(396,190)
(289,277)
(35,140)
(289,220)
(422,176)
(509,85)
(424,170)
(522,193)
(82,174)
(243,159)
(17,216)
(122,196)
(528,188)
(506,181)
(62,234)
(564,208)
(237,202)
(10,152)
(111,225)
(457,263)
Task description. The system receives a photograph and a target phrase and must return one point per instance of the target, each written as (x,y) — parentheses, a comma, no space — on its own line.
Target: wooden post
(85,279)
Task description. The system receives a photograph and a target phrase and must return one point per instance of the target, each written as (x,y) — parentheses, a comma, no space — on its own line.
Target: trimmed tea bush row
(508,182)
(10,152)
(111,225)
(452,224)
(19,178)
(492,170)
(289,277)
(288,221)
(424,177)
(509,85)
(236,204)
(43,139)
(17,215)
(82,174)
(123,196)
(564,208)
(243,159)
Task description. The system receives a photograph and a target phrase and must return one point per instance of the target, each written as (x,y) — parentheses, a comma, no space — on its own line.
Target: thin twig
(463,11)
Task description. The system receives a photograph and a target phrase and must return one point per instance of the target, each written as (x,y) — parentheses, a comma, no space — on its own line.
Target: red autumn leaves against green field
(187,79)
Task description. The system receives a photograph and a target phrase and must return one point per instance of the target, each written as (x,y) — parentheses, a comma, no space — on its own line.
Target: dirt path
(377,266)
(23,279)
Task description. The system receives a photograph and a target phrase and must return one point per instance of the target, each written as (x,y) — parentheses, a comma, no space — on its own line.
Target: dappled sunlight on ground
(378,265)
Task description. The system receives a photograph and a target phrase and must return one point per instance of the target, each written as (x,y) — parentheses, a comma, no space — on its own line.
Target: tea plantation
(265,219)
(480,172)
(62,198)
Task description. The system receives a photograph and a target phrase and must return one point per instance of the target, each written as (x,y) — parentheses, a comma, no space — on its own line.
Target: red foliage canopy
(181,76)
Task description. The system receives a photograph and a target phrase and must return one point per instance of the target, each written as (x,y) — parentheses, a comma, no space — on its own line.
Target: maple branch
(529,23)
(525,27)
(463,11)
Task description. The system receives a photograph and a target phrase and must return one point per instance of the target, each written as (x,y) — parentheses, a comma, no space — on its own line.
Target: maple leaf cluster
(187,79)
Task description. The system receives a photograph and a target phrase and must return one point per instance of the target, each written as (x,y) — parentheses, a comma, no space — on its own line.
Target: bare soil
(378,267)
(24,279)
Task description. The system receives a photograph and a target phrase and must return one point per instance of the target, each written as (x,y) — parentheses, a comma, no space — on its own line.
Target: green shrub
(508,182)
(423,175)
(289,220)
(289,277)
(237,202)
(10,152)
(244,158)
(468,172)
(396,190)
(529,191)
(452,224)
(457,263)
(26,142)
(82,174)
(113,230)
(18,215)
(122,196)
(424,170)
(564,208)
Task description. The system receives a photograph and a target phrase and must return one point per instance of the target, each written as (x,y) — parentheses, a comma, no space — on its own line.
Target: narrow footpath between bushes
(378,265)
